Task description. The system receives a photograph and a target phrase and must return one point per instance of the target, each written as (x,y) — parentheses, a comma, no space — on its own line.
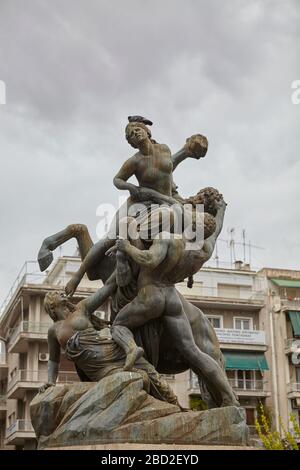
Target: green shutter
(245,361)
(295,319)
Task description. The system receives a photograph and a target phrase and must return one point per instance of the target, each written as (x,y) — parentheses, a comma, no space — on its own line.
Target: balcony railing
(250,295)
(294,387)
(293,344)
(39,377)
(291,303)
(247,385)
(21,425)
(28,327)
(236,384)
(29,273)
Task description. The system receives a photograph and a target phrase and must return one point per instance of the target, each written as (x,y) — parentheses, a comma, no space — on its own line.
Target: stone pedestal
(118,410)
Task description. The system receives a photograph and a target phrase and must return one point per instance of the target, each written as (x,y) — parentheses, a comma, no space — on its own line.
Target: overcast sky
(75,69)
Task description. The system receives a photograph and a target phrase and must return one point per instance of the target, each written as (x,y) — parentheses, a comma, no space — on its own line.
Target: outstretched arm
(148,258)
(94,301)
(209,243)
(195,147)
(54,359)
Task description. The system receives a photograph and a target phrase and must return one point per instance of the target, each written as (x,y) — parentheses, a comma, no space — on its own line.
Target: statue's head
(57,305)
(137,133)
(209,197)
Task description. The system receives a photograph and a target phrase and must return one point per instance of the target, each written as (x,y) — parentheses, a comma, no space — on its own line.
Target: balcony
(206,296)
(243,388)
(24,380)
(249,388)
(3,405)
(294,390)
(3,366)
(18,432)
(230,338)
(290,304)
(26,332)
(292,345)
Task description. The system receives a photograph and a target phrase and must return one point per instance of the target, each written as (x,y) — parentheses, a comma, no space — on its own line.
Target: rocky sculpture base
(118,409)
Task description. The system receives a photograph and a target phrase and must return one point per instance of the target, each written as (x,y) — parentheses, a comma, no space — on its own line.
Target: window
(298,375)
(247,380)
(243,323)
(216,320)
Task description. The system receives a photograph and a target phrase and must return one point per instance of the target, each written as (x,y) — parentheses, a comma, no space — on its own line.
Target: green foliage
(272,440)
(197,404)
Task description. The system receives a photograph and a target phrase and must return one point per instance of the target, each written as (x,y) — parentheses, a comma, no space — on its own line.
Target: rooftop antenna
(232,245)
(244,244)
(250,252)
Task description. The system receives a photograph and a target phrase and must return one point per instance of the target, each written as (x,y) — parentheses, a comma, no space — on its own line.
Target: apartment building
(255,320)
(233,300)
(282,316)
(24,351)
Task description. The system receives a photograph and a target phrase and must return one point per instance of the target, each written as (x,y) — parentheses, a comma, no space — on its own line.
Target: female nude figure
(153,166)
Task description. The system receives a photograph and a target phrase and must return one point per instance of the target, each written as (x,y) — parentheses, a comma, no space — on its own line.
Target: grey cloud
(75,69)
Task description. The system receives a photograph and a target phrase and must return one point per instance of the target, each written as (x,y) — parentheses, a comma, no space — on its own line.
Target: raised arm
(147,258)
(195,147)
(94,301)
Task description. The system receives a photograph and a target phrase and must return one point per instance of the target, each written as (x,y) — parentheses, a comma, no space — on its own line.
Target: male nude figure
(165,263)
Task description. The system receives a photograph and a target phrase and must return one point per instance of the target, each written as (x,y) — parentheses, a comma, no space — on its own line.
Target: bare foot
(132,357)
(71,286)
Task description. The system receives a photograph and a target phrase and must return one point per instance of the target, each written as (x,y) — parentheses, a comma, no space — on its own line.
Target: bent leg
(205,367)
(78,231)
(148,304)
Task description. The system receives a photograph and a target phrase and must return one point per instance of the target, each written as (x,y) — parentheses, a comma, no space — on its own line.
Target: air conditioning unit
(43,357)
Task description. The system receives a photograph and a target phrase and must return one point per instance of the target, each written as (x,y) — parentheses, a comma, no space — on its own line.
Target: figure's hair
(208,197)
(54,298)
(132,124)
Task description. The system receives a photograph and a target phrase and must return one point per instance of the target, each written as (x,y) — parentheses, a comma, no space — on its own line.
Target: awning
(286,282)
(245,361)
(295,319)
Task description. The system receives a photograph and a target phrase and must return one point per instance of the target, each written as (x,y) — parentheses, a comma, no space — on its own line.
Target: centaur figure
(153,166)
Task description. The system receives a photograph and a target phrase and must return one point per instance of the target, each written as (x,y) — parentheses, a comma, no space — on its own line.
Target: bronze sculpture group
(154,329)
